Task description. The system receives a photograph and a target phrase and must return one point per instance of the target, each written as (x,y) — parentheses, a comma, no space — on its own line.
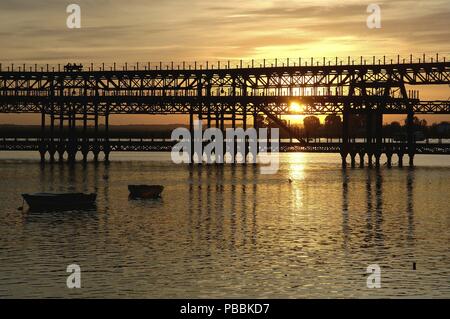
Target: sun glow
(295,109)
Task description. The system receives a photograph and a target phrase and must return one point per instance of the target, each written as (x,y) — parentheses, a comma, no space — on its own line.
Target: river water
(228,231)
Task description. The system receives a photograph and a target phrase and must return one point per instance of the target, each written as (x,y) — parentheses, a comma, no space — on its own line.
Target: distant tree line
(312,127)
(332,127)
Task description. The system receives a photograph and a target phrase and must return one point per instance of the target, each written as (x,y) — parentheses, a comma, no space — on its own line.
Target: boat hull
(50,201)
(145,191)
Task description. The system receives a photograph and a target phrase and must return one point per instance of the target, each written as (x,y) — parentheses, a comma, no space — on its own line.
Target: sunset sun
(296,107)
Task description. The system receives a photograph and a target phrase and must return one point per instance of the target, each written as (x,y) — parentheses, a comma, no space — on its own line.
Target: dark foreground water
(229,231)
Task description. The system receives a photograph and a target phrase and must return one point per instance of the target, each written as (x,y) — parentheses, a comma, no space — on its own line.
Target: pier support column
(369,124)
(85,146)
(345,129)
(42,155)
(378,137)
(96,146)
(411,160)
(256,127)
(85,156)
(222,128)
(410,132)
(208,125)
(52,153)
(369,160)
(244,126)
(344,159)
(191,130)
(107,157)
(361,160)
(217,118)
(52,146)
(200,154)
(72,144)
(42,144)
(71,156)
(107,149)
(62,141)
(217,156)
(72,149)
(208,116)
(222,120)
(208,105)
(400,159)
(377,160)
(353,160)
(389,159)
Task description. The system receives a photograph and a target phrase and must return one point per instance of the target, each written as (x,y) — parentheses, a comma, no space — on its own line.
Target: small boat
(145,191)
(59,201)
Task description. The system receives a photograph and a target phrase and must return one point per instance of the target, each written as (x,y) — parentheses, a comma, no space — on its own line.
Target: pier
(232,93)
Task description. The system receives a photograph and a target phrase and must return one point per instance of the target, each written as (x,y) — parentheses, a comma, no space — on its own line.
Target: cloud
(200,29)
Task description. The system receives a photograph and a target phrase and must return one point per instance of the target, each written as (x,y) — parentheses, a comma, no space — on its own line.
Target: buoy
(414,266)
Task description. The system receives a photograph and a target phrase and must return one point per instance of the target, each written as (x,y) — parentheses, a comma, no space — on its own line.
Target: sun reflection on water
(296,173)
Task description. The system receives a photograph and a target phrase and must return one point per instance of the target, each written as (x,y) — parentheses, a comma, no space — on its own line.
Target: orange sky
(34,31)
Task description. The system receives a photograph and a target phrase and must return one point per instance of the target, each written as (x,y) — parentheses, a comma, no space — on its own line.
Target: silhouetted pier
(235,93)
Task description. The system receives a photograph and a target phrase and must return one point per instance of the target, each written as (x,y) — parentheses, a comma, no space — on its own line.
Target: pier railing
(235,63)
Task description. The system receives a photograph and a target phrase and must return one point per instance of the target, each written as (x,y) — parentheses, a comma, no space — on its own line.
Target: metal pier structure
(233,93)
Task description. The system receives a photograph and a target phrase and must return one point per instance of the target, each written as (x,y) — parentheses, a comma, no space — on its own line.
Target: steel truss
(217,95)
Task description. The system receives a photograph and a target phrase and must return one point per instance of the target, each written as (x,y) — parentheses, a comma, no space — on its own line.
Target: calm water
(229,231)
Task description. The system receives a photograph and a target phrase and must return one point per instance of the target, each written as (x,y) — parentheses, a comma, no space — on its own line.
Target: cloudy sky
(153,30)
(35,31)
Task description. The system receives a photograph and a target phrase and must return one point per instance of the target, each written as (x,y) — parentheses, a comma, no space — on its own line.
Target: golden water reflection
(228,231)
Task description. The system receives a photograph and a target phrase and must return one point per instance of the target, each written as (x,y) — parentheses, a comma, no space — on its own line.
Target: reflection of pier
(231,92)
(378,207)
(383,224)
(223,212)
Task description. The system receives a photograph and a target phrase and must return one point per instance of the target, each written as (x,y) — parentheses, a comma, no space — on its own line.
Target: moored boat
(145,191)
(59,201)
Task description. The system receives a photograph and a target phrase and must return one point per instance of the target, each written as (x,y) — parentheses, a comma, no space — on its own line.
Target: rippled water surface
(229,231)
